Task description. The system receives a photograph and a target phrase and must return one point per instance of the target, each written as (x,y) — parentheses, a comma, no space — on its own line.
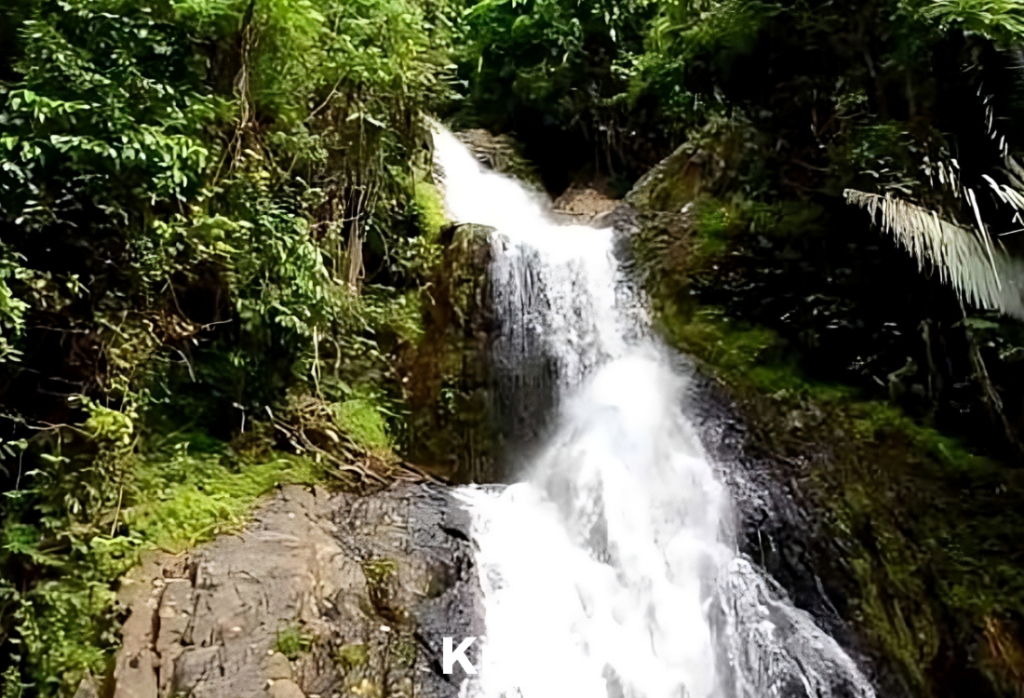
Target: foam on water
(609,569)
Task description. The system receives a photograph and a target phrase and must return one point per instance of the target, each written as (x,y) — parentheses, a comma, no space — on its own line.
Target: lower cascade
(610,568)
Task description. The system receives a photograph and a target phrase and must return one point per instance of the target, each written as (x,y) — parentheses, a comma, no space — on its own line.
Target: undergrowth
(216,224)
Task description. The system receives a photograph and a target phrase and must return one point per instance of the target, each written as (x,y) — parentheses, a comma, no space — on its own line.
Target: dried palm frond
(1015,172)
(983,276)
(947,173)
(1011,194)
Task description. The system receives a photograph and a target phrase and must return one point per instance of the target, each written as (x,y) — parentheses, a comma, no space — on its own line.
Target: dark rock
(500,153)
(782,528)
(669,185)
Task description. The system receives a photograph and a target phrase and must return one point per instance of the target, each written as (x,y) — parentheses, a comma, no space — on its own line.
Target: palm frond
(982,275)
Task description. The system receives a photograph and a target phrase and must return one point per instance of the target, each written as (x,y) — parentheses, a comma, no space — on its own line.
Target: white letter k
(449,657)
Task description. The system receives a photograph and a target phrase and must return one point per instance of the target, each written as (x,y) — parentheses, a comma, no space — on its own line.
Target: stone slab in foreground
(358,590)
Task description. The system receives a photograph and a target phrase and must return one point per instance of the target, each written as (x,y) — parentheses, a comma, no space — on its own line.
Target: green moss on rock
(451,422)
(293,641)
(929,529)
(349,657)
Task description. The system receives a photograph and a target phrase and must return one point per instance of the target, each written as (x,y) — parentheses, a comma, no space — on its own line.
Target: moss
(430,214)
(717,224)
(728,345)
(714,221)
(451,423)
(182,494)
(910,636)
(404,652)
(349,657)
(293,641)
(362,418)
(933,533)
(188,498)
(920,549)
(741,353)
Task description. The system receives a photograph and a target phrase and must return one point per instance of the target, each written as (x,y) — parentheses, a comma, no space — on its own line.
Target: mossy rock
(403,652)
(379,571)
(293,641)
(669,185)
(451,423)
(896,530)
(353,656)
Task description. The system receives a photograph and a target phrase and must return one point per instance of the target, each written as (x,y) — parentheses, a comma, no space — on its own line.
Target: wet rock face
(323,595)
(784,530)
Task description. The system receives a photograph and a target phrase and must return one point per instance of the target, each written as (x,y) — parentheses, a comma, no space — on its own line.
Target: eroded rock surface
(324,594)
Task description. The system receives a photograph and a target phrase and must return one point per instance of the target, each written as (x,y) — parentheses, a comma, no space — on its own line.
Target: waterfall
(610,569)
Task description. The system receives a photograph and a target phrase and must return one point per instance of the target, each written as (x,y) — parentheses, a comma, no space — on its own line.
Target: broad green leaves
(1001,20)
(99,116)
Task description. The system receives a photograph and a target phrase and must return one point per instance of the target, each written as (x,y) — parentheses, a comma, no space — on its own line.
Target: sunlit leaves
(1002,20)
(180,185)
(12,308)
(98,100)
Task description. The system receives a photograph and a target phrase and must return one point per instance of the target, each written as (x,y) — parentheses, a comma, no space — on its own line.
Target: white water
(610,569)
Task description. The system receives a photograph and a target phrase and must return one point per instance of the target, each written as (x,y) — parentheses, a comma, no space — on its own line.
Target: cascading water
(610,570)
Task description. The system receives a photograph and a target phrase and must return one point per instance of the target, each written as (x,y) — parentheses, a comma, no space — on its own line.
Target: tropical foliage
(218,234)
(205,212)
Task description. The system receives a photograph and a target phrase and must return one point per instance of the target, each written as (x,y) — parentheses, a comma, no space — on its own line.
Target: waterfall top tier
(558,292)
(474,194)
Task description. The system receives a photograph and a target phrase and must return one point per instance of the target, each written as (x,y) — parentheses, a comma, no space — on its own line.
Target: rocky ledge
(324,594)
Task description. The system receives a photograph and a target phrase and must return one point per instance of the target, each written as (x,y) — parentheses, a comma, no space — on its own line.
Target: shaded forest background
(222,254)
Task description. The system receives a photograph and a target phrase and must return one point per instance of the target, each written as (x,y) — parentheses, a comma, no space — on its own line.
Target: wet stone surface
(324,594)
(781,528)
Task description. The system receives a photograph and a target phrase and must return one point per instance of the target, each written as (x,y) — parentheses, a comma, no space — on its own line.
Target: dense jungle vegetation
(222,250)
